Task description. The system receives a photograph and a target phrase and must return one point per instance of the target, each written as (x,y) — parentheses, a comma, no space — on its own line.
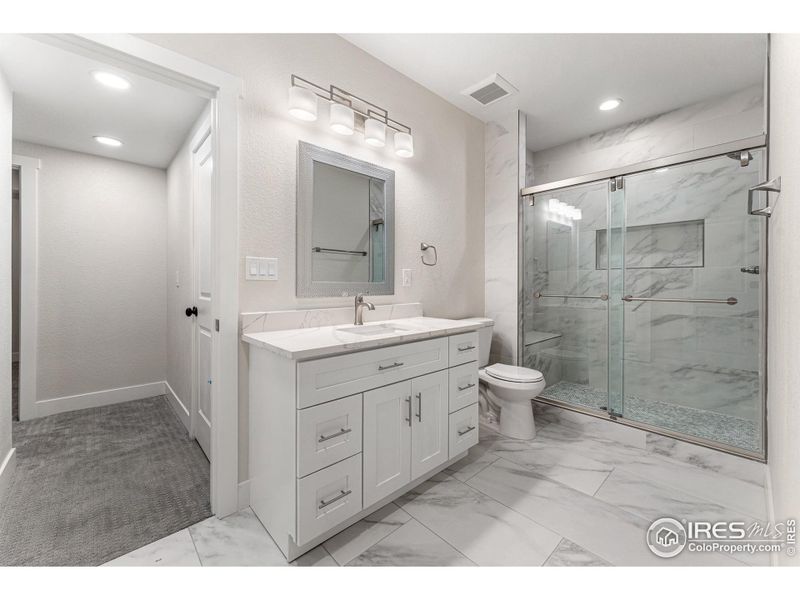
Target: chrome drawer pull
(392,366)
(467,430)
(342,494)
(419,399)
(461,388)
(465,348)
(343,431)
(408,418)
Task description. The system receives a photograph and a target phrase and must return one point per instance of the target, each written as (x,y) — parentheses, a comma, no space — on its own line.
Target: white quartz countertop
(318,342)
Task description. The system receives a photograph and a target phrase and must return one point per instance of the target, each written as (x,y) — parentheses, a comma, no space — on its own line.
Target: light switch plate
(258,268)
(407,277)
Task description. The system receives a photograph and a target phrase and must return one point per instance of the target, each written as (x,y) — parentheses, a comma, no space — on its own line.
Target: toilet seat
(512,374)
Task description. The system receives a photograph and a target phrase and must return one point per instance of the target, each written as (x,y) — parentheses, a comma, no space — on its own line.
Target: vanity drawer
(463,348)
(328,497)
(463,429)
(338,376)
(463,386)
(328,433)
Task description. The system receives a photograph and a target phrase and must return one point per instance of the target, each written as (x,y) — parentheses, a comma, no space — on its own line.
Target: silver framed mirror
(345,225)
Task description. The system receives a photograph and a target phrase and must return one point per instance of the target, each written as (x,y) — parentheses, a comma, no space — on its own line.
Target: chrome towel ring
(423,246)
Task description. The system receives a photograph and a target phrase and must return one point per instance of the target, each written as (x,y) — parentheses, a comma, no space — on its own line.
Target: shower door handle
(730,300)
(773,185)
(538,295)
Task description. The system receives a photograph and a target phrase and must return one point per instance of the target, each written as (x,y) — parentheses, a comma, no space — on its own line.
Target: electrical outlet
(407,277)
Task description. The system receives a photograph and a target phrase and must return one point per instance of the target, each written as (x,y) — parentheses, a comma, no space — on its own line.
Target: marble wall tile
(278,320)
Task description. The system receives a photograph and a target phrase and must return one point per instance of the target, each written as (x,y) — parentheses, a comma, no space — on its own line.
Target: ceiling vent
(490,90)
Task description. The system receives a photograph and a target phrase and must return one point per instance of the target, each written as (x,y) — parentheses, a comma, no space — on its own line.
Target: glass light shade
(610,104)
(375,133)
(302,103)
(403,144)
(342,119)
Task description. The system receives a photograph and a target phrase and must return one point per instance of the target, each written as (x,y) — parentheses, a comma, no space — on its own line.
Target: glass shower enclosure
(643,300)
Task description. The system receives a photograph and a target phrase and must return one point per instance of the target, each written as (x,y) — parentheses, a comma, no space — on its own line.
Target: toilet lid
(514,374)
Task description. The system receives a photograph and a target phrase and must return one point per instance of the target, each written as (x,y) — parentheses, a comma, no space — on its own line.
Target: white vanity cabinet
(334,438)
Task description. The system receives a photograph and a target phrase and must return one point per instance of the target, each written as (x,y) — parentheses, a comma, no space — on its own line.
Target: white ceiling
(58,103)
(562,78)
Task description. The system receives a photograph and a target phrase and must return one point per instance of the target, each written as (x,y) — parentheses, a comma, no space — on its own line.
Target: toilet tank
(484,338)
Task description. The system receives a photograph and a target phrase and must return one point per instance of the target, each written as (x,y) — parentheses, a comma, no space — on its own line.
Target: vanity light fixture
(349,113)
(111,80)
(610,104)
(342,119)
(107,141)
(375,133)
(302,103)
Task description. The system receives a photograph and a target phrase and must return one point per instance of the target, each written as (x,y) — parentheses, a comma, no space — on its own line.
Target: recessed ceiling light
(111,80)
(662,170)
(108,141)
(610,104)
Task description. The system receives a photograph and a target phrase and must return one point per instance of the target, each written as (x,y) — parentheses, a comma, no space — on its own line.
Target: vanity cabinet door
(387,440)
(429,431)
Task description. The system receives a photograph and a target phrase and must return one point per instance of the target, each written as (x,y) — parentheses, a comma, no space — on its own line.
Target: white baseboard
(7,472)
(178,406)
(101,398)
(244,494)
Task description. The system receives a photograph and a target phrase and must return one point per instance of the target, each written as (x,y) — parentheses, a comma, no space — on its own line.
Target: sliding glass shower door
(643,300)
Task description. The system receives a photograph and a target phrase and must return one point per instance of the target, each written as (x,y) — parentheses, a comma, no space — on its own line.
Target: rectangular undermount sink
(379,329)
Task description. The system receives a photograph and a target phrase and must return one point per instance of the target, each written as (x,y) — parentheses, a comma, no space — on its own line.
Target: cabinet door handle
(342,431)
(461,388)
(408,418)
(419,405)
(392,366)
(339,496)
(466,431)
(465,348)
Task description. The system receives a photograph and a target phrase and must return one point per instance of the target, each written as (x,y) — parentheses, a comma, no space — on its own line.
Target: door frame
(224,91)
(28,281)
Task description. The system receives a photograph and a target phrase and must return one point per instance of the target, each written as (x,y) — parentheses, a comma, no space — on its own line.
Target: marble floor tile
(705,458)
(651,501)
(176,550)
(370,530)
(559,464)
(736,494)
(479,527)
(318,557)
(569,554)
(411,545)
(237,540)
(613,534)
(478,458)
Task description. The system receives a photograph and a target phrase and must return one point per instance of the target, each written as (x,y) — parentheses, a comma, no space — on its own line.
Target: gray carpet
(94,484)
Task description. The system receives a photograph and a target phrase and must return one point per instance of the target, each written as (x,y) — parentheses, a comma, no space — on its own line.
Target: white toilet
(512,388)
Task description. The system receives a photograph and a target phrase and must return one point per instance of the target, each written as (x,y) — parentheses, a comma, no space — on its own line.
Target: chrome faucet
(360,304)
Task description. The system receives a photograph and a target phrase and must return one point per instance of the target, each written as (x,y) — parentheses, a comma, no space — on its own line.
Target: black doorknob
(191,311)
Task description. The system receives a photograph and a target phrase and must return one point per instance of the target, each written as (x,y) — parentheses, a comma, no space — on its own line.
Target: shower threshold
(716,430)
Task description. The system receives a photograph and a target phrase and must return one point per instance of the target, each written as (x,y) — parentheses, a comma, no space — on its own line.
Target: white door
(202,173)
(387,440)
(429,441)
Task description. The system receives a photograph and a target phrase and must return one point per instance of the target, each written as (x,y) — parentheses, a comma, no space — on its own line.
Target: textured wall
(438,192)
(732,117)
(102,268)
(783,401)
(5,268)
